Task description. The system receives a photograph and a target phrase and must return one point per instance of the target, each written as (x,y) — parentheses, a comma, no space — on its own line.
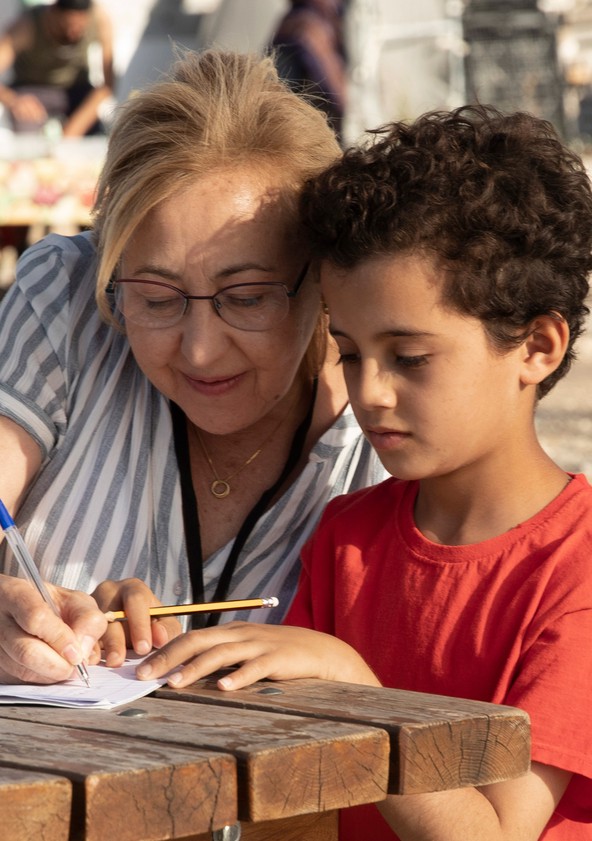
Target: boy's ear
(544,348)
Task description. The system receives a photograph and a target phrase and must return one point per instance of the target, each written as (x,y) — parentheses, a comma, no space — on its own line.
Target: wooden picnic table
(277,759)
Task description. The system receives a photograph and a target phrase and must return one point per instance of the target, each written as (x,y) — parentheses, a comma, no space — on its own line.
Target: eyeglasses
(246,306)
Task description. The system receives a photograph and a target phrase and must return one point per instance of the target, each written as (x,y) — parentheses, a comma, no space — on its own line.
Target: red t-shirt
(508,620)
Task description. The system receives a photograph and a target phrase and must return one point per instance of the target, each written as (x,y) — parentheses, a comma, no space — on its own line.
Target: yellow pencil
(208,607)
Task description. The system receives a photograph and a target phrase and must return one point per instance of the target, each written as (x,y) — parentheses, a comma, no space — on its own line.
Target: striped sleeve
(34,358)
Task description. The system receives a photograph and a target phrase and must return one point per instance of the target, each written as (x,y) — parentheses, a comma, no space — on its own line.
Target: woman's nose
(204,334)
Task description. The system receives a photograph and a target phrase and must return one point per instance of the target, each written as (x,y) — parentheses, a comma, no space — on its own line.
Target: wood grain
(437,742)
(34,805)
(286,765)
(122,787)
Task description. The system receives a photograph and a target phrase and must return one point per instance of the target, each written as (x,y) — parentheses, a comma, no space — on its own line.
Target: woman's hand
(265,651)
(36,646)
(139,631)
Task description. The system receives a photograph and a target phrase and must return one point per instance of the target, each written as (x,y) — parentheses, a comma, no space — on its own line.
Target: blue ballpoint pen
(27,564)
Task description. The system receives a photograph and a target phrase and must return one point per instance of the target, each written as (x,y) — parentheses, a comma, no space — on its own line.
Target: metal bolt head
(230,832)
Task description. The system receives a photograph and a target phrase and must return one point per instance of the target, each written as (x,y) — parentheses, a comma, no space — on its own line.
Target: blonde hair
(215,109)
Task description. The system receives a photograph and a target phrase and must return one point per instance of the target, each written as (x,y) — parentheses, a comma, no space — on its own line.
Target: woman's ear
(544,348)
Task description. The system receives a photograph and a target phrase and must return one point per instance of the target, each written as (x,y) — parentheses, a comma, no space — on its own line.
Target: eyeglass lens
(249,306)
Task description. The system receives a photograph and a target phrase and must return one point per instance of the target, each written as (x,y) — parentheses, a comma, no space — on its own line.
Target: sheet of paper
(108,688)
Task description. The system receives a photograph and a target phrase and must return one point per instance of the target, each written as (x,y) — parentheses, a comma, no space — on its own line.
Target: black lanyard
(191,517)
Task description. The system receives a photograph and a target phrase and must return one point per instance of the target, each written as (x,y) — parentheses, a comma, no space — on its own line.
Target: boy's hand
(36,646)
(264,651)
(139,631)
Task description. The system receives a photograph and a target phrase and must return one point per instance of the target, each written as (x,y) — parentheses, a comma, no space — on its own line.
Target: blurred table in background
(48,184)
(45,187)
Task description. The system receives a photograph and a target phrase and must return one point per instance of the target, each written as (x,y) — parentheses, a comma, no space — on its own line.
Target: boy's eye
(401,361)
(411,361)
(348,358)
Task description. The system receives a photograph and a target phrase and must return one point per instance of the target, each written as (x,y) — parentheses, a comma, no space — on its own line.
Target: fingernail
(87,645)
(72,654)
(175,678)
(225,682)
(144,671)
(113,660)
(143,647)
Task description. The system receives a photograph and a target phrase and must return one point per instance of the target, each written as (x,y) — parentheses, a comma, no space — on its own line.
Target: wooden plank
(125,788)
(34,806)
(319,827)
(437,742)
(287,765)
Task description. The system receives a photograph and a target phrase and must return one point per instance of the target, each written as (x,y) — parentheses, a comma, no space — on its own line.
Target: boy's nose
(375,388)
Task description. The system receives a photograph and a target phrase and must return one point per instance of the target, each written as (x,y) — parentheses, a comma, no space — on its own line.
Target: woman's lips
(213,385)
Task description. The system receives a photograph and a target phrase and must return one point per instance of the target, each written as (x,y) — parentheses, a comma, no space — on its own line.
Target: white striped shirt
(107,500)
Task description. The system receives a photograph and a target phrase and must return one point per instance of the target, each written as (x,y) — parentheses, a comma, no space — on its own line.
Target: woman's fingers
(27,659)
(138,630)
(164,630)
(35,644)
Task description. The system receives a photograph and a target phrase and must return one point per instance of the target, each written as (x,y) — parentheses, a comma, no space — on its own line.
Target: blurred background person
(47,50)
(310,54)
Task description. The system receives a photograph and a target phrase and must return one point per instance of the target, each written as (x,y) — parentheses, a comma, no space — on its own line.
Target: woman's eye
(161,303)
(243,301)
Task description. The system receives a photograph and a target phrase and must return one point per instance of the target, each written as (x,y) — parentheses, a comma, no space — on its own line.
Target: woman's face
(230,227)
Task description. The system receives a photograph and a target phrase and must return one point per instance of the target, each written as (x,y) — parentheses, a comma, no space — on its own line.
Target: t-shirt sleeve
(34,324)
(554,683)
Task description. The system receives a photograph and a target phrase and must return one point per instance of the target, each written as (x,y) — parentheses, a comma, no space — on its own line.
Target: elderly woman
(169,410)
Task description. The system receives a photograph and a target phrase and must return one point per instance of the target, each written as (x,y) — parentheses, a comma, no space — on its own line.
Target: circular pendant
(220,488)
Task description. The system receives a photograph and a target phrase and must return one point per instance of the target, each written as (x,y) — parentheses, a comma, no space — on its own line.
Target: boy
(454,255)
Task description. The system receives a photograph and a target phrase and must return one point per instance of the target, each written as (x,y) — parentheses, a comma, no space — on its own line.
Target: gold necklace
(220,488)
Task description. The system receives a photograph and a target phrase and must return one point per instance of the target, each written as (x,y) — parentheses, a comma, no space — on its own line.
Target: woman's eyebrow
(237,268)
(226,272)
(161,271)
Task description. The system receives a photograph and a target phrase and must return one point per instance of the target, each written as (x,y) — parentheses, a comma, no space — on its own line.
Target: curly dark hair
(497,200)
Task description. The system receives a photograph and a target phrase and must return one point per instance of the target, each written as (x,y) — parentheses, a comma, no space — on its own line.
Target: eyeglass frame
(290,293)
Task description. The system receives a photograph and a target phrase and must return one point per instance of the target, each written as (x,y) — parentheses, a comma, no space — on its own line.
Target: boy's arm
(515,810)
(260,651)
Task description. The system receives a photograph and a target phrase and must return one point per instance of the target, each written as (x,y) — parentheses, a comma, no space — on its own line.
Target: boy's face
(428,390)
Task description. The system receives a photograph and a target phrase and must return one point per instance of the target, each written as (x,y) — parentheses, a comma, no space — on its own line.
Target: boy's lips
(382,438)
